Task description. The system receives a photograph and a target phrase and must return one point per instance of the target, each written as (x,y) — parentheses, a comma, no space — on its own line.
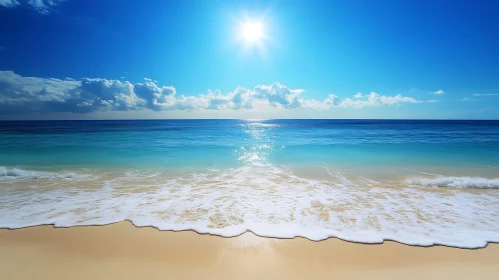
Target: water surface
(417,182)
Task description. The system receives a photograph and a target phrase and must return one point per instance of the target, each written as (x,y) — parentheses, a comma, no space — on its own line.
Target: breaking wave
(21,174)
(455,182)
(269,201)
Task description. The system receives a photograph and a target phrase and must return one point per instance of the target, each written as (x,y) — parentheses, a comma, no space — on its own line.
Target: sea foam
(455,182)
(268,201)
(19,174)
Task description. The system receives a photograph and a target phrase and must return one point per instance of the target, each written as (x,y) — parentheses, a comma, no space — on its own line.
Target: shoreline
(248,232)
(123,251)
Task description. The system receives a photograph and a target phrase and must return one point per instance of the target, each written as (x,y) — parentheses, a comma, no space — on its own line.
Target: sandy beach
(122,251)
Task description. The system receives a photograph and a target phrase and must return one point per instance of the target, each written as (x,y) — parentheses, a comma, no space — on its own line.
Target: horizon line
(263,119)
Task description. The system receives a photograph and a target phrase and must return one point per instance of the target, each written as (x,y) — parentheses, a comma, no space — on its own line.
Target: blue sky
(176,59)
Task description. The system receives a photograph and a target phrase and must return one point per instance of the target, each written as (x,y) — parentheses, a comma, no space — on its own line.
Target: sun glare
(251,32)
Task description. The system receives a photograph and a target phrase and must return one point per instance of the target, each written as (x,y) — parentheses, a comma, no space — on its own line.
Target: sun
(251,32)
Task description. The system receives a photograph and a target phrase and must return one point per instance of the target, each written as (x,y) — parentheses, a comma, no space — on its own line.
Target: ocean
(418,182)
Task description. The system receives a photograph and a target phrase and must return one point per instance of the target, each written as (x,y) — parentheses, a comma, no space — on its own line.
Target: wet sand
(122,251)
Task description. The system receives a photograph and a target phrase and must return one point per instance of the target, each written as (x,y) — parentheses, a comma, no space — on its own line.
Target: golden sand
(122,251)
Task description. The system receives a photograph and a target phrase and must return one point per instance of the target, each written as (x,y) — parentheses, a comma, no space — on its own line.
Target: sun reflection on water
(259,145)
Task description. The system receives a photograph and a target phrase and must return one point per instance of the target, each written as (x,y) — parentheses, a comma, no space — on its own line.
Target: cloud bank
(20,94)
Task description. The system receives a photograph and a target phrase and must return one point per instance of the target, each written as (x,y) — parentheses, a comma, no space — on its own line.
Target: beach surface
(123,251)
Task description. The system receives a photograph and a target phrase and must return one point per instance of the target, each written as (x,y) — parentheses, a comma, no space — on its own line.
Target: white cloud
(374,99)
(433,101)
(44,6)
(18,93)
(16,89)
(112,94)
(486,94)
(41,6)
(33,94)
(153,94)
(359,95)
(332,100)
(9,3)
(439,92)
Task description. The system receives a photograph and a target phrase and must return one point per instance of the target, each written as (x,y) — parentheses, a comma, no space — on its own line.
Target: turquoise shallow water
(416,182)
(201,144)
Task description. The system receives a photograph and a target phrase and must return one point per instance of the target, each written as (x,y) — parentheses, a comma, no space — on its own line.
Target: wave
(455,182)
(21,174)
(268,201)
